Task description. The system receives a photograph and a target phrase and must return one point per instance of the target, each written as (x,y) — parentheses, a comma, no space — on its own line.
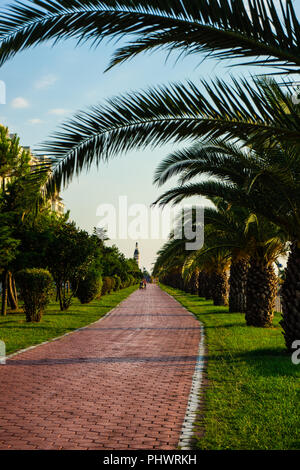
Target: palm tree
(180,267)
(204,285)
(258,31)
(266,244)
(169,263)
(244,232)
(228,230)
(214,262)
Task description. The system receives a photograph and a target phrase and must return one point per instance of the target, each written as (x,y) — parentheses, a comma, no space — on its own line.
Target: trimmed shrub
(131,280)
(113,283)
(126,283)
(107,285)
(118,282)
(35,287)
(90,287)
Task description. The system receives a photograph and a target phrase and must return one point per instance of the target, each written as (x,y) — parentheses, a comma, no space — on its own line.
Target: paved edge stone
(187,430)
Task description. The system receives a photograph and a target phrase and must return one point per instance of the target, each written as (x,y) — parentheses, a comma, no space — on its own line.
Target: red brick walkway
(122,383)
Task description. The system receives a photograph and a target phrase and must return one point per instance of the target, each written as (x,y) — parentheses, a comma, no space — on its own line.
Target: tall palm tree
(214,262)
(246,232)
(258,31)
(169,263)
(180,267)
(228,230)
(266,244)
(204,285)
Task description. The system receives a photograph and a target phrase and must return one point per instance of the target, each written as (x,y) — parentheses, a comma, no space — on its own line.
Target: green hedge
(118,282)
(36,286)
(108,285)
(90,287)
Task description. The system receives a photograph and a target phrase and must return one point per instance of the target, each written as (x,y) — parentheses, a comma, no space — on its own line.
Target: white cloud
(35,121)
(58,111)
(19,102)
(46,81)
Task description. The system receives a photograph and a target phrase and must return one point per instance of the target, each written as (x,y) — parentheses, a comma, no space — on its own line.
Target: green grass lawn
(253,396)
(18,334)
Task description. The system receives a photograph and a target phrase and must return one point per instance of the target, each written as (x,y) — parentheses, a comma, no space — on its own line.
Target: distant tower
(136,254)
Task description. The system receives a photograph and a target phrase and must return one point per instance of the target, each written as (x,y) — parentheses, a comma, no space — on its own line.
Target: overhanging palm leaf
(212,157)
(274,170)
(264,181)
(175,113)
(221,28)
(267,206)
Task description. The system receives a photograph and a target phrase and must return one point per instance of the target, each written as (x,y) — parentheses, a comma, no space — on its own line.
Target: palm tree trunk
(220,288)
(194,283)
(261,290)
(208,286)
(291,298)
(237,283)
(201,284)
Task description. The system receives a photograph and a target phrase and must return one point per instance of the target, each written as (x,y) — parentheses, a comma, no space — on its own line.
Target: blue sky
(46,85)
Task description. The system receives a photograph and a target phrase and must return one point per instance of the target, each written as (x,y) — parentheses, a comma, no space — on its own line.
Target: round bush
(118,282)
(113,284)
(90,287)
(131,280)
(35,288)
(107,285)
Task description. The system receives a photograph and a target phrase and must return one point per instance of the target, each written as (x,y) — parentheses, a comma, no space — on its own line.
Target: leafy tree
(14,160)
(8,251)
(28,222)
(14,166)
(69,255)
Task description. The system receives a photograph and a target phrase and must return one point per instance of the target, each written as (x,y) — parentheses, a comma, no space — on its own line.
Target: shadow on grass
(38,326)
(229,325)
(17,312)
(268,362)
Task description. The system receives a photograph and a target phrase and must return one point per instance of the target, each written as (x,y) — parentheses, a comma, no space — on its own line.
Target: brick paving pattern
(121,383)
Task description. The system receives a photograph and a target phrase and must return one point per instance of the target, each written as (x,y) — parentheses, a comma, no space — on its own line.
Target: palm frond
(266,203)
(224,29)
(178,112)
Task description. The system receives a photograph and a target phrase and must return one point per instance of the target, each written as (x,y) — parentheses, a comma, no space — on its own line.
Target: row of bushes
(37,285)
(93,286)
